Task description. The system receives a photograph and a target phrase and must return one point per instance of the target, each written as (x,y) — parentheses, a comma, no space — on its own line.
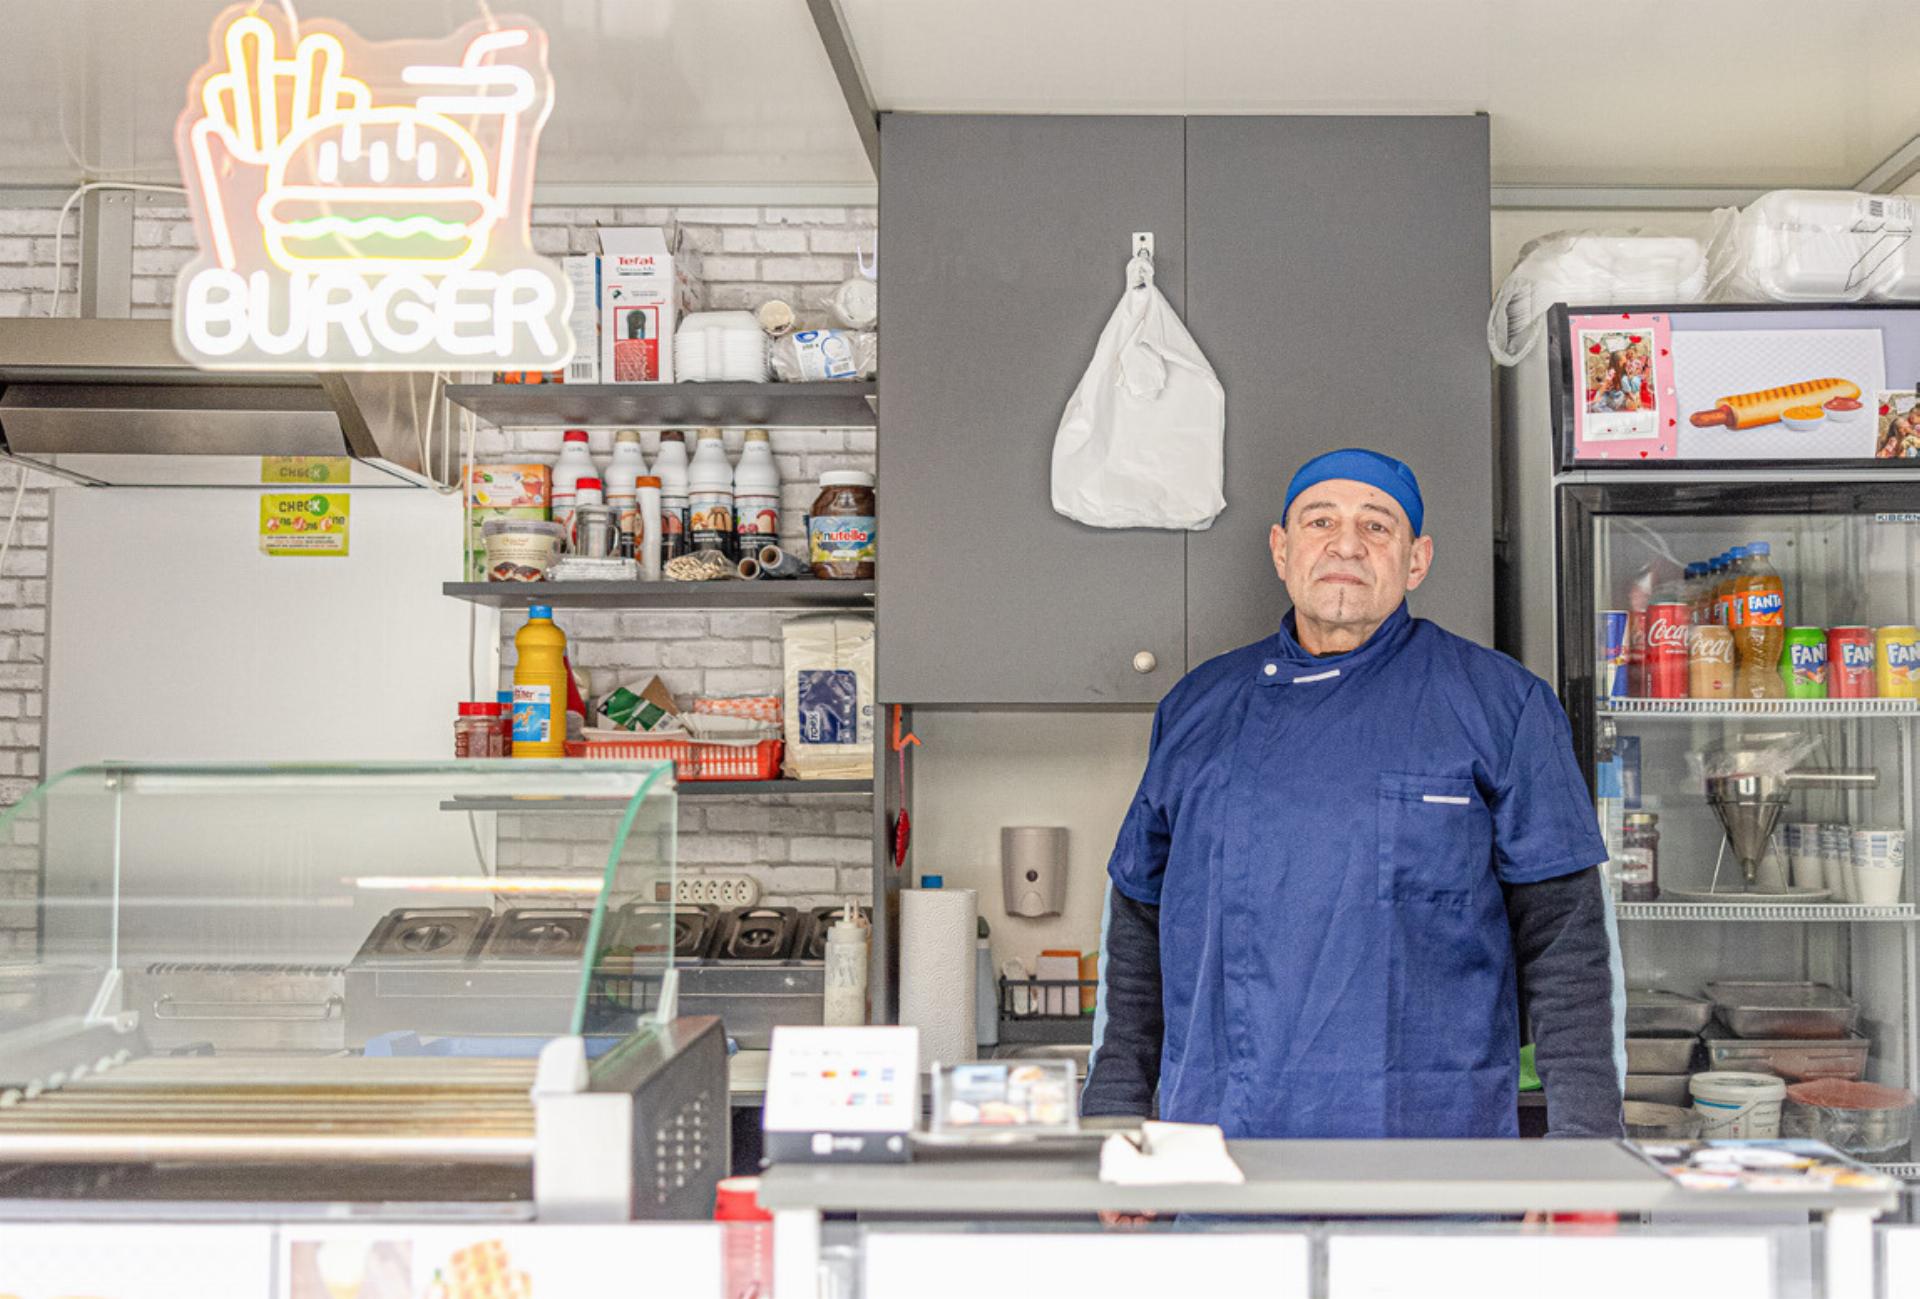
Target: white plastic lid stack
(1810,245)
(720,346)
(1590,268)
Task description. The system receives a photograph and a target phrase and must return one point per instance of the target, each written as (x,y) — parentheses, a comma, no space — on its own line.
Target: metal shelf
(793,593)
(1843,912)
(682,789)
(839,404)
(1697,708)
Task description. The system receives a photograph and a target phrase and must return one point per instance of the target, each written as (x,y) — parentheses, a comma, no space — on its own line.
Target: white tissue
(1169,1154)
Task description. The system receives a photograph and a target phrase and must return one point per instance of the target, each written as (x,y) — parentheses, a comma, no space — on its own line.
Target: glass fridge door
(1756,795)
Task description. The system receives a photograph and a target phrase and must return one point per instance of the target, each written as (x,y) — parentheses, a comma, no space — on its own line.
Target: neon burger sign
(365,206)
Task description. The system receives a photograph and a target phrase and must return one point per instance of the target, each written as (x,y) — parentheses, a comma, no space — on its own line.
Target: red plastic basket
(692,759)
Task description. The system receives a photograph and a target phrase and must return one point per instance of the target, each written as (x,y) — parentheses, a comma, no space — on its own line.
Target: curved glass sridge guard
(280,911)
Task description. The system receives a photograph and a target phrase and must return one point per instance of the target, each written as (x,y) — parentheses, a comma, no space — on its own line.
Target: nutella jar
(843,541)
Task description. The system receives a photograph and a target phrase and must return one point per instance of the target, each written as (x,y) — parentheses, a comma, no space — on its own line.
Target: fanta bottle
(1761,633)
(1723,603)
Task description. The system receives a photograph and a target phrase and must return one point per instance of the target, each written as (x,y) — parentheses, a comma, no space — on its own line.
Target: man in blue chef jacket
(1356,844)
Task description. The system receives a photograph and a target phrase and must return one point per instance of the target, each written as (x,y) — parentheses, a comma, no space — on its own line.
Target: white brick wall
(803,851)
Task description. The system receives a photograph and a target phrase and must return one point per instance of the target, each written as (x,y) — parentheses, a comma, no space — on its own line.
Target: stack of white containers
(720,347)
(1807,245)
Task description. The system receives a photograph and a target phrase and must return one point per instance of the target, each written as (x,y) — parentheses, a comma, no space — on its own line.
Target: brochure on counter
(1760,1167)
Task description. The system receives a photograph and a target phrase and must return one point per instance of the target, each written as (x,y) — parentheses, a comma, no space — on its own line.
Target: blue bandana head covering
(1360,466)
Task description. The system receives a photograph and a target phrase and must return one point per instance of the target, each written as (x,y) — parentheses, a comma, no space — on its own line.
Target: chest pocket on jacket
(1436,838)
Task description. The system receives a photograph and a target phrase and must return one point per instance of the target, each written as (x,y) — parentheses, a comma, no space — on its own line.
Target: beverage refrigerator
(1754,838)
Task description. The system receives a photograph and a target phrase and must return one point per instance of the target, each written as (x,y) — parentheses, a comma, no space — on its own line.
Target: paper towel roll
(937,928)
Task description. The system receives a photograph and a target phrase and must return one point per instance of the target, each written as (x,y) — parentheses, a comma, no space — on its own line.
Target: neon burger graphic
(364,205)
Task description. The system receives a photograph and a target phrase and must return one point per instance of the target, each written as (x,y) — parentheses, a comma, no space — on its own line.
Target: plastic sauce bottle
(540,687)
(573,465)
(846,973)
(646,535)
(756,495)
(746,1240)
(710,494)
(670,467)
(623,474)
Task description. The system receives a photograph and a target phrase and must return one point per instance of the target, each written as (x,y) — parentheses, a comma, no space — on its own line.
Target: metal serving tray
(1659,1088)
(1773,1011)
(1796,1060)
(1652,1012)
(1668,1055)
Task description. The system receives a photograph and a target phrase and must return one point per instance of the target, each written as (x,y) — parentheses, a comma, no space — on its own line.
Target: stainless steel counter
(1304,1178)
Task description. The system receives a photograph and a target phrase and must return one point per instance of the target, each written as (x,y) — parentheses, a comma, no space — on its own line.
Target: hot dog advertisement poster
(1731,385)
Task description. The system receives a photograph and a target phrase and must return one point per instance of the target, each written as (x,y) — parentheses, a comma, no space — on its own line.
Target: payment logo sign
(365,206)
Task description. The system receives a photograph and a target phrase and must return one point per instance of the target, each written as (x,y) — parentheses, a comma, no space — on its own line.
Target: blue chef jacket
(1326,840)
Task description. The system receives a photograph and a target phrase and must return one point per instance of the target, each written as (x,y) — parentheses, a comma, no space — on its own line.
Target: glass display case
(1756,802)
(328,963)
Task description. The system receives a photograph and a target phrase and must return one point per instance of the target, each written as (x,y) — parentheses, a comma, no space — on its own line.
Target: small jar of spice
(474,731)
(843,539)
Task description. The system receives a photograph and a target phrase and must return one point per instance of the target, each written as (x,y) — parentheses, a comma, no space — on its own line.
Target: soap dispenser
(1033,869)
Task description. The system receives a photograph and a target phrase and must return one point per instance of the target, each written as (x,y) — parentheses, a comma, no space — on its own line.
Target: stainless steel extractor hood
(110,402)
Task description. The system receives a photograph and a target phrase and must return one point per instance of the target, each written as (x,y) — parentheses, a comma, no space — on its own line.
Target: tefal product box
(642,295)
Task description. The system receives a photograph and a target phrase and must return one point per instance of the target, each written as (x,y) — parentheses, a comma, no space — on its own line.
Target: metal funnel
(1748,807)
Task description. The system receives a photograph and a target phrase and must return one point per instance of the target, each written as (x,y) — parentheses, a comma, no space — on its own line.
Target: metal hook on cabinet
(1140,264)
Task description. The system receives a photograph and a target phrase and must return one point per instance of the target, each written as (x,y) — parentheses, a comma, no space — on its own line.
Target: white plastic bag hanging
(1140,444)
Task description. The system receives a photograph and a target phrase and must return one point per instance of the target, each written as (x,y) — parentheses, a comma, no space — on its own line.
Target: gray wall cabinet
(1337,280)
(1333,269)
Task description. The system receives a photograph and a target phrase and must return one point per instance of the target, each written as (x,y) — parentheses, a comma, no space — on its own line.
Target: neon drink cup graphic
(364,205)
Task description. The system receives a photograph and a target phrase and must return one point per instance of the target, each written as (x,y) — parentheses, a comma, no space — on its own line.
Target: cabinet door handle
(1144,661)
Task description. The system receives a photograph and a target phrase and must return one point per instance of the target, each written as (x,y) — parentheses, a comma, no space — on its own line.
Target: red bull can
(1610,656)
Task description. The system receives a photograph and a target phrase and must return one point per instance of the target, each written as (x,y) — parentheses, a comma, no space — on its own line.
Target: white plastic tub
(1738,1106)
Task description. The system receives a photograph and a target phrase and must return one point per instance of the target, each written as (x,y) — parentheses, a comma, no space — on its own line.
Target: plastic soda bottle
(1760,605)
(540,687)
(1724,612)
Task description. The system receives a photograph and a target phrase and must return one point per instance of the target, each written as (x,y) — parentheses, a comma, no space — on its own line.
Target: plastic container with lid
(520,550)
(710,495)
(1738,1106)
(473,730)
(670,467)
(756,496)
(843,539)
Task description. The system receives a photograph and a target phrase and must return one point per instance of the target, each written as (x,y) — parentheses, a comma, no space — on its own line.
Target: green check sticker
(300,523)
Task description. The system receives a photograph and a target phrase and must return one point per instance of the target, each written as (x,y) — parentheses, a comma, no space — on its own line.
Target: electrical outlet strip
(717,890)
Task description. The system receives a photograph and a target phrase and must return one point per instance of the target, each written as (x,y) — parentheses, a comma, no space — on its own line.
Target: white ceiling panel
(1760,92)
(661,93)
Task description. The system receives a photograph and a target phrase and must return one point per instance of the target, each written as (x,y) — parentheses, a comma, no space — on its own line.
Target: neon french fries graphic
(364,205)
